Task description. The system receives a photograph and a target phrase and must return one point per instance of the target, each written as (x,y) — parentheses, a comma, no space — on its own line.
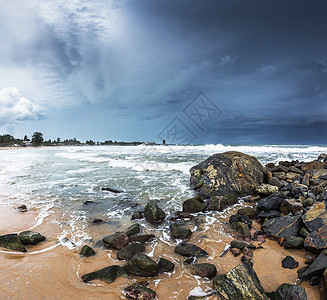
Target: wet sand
(52,271)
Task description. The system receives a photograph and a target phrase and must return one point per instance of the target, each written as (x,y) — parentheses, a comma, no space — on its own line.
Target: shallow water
(55,182)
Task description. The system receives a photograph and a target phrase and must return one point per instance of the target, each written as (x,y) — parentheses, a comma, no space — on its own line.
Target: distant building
(27,143)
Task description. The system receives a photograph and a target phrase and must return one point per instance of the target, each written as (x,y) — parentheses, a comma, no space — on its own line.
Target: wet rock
(229,172)
(247,211)
(272,202)
(12,242)
(282,227)
(143,238)
(252,198)
(137,215)
(235,251)
(232,284)
(140,291)
(291,205)
(266,189)
(304,232)
(317,268)
(259,236)
(189,250)
(288,291)
(153,213)
(323,196)
(289,263)
(241,245)
(22,208)
(130,250)
(247,252)
(180,231)
(108,189)
(315,280)
(295,170)
(242,229)
(98,221)
(316,217)
(87,251)
(217,203)
(270,214)
(306,179)
(294,242)
(165,265)
(142,265)
(87,202)
(204,270)
(308,202)
(240,218)
(194,205)
(317,240)
(31,237)
(280,168)
(133,229)
(108,274)
(117,240)
(317,165)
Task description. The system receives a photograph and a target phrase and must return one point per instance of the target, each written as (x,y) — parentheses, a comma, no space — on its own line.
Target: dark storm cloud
(263,63)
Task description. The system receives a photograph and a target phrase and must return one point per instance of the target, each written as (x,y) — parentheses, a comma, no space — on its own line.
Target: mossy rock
(12,242)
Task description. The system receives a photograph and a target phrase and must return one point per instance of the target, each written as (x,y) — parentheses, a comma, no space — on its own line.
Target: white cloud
(14,107)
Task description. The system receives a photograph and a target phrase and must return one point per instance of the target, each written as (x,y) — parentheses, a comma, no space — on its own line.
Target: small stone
(180,231)
(165,265)
(242,229)
(117,240)
(22,208)
(130,250)
(194,205)
(204,270)
(137,215)
(189,250)
(240,245)
(143,238)
(294,242)
(153,213)
(87,251)
(97,221)
(289,263)
(235,251)
(266,189)
(139,291)
(315,280)
(108,274)
(247,211)
(142,265)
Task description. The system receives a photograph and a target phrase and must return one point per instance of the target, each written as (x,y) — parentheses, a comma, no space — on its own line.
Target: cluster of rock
(17,242)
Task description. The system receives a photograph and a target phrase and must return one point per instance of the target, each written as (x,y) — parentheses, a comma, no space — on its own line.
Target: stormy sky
(189,71)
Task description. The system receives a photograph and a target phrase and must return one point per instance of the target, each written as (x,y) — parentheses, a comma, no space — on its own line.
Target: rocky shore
(288,202)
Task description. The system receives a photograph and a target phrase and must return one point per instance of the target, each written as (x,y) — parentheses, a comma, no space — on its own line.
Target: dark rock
(165,265)
(117,240)
(294,242)
(230,199)
(258,236)
(317,240)
(282,227)
(317,268)
(323,196)
(247,211)
(270,165)
(108,274)
(246,251)
(139,291)
(142,238)
(189,250)
(87,251)
(241,283)
(87,202)
(304,232)
(316,217)
(133,229)
(97,221)
(204,270)
(240,218)
(288,291)
(276,182)
(31,237)
(22,208)
(137,215)
(247,259)
(153,213)
(252,198)
(229,172)
(295,170)
(242,229)
(180,231)
(273,202)
(270,214)
(266,189)
(308,202)
(316,165)
(217,203)
(298,191)
(108,189)
(291,205)
(130,250)
(315,280)
(306,179)
(280,168)
(235,251)
(322,157)
(194,205)
(240,245)
(12,242)
(289,263)
(141,265)
(190,260)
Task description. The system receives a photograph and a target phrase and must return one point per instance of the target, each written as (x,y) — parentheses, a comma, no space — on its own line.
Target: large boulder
(317,268)
(142,265)
(31,237)
(153,213)
(143,238)
(108,274)
(288,291)
(203,270)
(130,250)
(283,227)
(12,242)
(241,283)
(316,216)
(229,172)
(133,229)
(272,202)
(180,231)
(117,240)
(194,205)
(165,265)
(317,240)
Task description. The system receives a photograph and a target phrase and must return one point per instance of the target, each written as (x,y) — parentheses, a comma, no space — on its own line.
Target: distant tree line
(37,139)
